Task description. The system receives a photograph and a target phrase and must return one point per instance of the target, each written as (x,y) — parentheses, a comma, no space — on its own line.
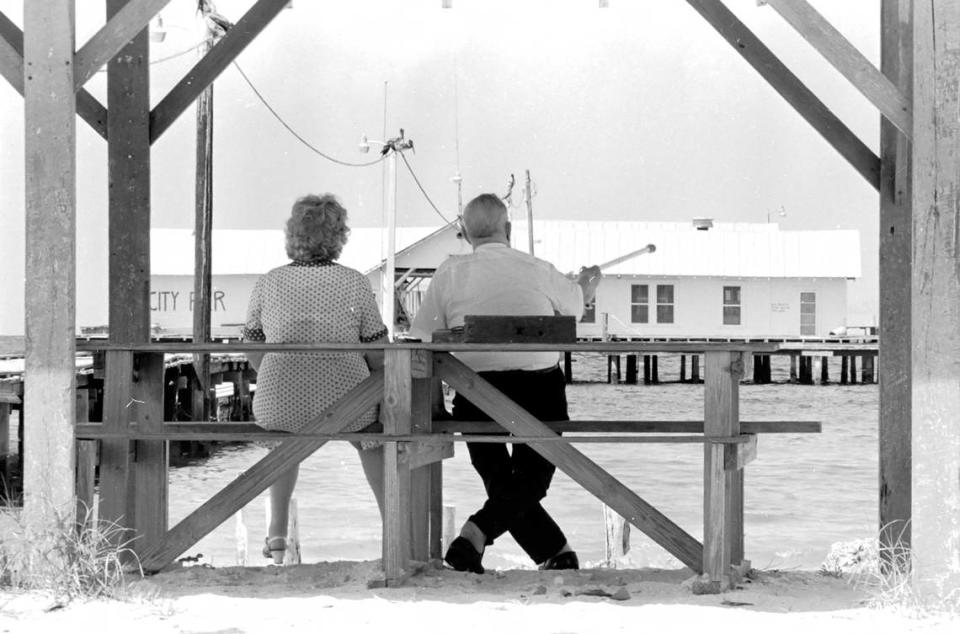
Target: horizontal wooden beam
(849,61)
(112,37)
(213,63)
(789,86)
(224,431)
(11,67)
(736,457)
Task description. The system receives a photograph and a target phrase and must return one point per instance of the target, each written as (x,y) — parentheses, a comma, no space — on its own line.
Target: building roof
(246,252)
(725,250)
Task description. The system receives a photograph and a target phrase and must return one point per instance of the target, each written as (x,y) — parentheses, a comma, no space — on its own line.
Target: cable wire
(294,132)
(422,190)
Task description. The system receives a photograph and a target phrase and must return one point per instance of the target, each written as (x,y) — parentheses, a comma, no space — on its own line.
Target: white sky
(640,111)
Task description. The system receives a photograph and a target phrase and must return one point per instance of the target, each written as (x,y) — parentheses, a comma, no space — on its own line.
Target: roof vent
(702,224)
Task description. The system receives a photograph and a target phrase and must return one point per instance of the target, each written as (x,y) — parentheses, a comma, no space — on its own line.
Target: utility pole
(528,198)
(214,27)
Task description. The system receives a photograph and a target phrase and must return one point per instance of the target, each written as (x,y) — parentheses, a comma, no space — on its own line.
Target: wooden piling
(647,376)
(631,378)
(757,368)
(793,367)
(654,371)
(683,368)
(695,368)
(50,272)
(844,370)
(806,370)
(853,369)
(824,370)
(896,250)
(935,301)
(396,414)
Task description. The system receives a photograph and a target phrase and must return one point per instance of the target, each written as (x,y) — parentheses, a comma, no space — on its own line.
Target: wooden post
(50,301)
(646,369)
(767,372)
(568,366)
(424,497)
(757,368)
(695,368)
(935,321)
(654,372)
(844,370)
(396,414)
(152,456)
(128,151)
(617,377)
(683,368)
(203,229)
(824,370)
(793,367)
(853,369)
(616,542)
(631,369)
(722,503)
(86,464)
(866,369)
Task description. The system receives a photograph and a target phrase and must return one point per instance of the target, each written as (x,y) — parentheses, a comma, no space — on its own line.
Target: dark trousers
(516,482)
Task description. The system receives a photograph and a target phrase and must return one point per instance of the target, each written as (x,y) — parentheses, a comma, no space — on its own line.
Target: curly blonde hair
(317,228)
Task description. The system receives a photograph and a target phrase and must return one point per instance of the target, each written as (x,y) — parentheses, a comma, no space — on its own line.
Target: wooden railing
(133,455)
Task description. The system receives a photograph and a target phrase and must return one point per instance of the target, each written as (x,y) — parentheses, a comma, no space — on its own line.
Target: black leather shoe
(462,556)
(563,561)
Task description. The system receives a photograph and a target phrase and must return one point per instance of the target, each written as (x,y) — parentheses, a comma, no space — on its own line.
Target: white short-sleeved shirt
(306,302)
(496,280)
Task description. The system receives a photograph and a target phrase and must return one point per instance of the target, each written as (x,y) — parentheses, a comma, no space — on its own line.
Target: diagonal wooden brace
(112,37)
(255,480)
(568,459)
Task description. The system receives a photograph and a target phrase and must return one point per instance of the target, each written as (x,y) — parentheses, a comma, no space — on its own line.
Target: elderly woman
(312,300)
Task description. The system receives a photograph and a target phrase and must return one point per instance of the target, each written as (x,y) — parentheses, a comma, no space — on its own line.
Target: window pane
(808,309)
(664,293)
(808,319)
(731,294)
(665,314)
(731,315)
(589,315)
(808,297)
(639,313)
(639,293)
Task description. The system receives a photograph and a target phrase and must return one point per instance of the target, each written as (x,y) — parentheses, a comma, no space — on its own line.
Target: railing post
(722,488)
(425,481)
(151,478)
(115,453)
(396,415)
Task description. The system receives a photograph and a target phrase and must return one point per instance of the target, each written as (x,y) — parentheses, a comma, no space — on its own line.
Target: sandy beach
(344,596)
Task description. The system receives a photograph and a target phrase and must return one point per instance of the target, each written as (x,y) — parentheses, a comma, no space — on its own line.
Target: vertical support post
(866,369)
(722,504)
(115,507)
(128,152)
(844,370)
(935,321)
(646,369)
(568,366)
(793,367)
(51,232)
(631,378)
(654,372)
(683,368)
(896,248)
(203,231)
(396,416)
(422,493)
(695,368)
(152,456)
(824,370)
(86,464)
(853,369)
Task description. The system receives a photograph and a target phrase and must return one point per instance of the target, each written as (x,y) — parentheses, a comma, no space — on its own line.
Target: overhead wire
(296,135)
(422,190)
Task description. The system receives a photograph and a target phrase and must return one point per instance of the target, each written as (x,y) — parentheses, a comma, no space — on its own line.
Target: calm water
(803,493)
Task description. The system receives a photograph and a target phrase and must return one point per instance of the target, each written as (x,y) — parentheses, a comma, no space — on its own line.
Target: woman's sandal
(274,548)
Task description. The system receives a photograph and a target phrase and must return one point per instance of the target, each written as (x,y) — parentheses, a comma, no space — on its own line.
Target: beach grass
(71,560)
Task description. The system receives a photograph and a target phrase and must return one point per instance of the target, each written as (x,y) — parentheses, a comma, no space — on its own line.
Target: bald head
(485,220)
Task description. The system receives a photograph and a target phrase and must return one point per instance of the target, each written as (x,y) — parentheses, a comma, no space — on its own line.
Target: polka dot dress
(305,302)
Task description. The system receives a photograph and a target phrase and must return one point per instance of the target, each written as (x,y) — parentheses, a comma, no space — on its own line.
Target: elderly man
(498,280)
